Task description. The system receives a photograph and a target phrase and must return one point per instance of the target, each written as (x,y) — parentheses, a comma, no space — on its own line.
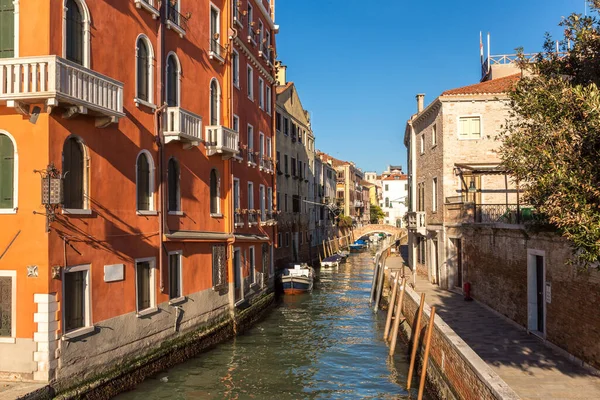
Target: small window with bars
(219,266)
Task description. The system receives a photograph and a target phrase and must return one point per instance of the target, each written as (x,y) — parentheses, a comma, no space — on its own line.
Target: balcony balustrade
(56,81)
(183,126)
(251,156)
(416,221)
(222,140)
(238,220)
(504,214)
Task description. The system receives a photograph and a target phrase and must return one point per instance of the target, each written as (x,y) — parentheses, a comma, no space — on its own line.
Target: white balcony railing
(416,220)
(222,140)
(58,81)
(358,203)
(183,126)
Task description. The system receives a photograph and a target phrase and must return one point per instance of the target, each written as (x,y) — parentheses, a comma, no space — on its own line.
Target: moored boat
(332,261)
(297,279)
(358,245)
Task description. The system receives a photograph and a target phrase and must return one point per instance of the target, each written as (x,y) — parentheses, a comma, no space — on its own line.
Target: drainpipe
(160,143)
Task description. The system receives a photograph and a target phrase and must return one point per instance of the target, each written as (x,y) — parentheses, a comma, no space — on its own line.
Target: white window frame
(250,78)
(181,297)
(236,14)
(148,5)
(236,66)
(434,193)
(88,327)
(269,99)
(171,53)
(218,94)
(137,100)
(236,123)
(86,210)
(262,193)
(86,31)
(252,265)
(238,197)
(153,308)
(434,135)
(261,146)
(422,144)
(261,93)
(219,198)
(250,188)
(13,311)
(152,210)
(15,206)
(469,136)
(268,148)
(270,199)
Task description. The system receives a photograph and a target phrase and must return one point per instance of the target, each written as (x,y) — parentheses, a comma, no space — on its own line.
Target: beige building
(454,172)
(295,149)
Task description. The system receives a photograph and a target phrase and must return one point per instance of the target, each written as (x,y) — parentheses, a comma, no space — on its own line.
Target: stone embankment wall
(131,372)
(454,370)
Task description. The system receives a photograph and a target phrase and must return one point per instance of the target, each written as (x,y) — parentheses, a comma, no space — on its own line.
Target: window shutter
(172,78)
(7,29)
(463,126)
(7,172)
(475,127)
(173,182)
(213,192)
(74,300)
(143,285)
(214,101)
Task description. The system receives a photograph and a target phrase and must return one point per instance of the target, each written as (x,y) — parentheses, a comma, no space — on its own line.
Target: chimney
(420,102)
(281,73)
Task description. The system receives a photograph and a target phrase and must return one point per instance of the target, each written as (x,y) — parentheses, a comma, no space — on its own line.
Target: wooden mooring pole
(392,302)
(415,341)
(426,355)
(399,318)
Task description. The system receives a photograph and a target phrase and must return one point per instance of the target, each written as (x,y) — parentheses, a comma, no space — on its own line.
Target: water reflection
(327,344)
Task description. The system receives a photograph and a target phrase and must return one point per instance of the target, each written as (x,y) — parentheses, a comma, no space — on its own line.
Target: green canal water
(324,345)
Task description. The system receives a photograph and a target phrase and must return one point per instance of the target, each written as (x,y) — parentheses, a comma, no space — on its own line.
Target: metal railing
(53,77)
(217,49)
(504,214)
(251,156)
(175,17)
(238,219)
(252,217)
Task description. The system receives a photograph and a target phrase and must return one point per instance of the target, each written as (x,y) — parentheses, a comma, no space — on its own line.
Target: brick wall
(496,267)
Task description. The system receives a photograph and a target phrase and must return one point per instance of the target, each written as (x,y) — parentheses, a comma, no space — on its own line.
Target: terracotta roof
(500,85)
(392,177)
(283,88)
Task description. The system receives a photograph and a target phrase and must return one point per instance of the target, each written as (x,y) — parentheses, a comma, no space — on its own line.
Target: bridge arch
(373,228)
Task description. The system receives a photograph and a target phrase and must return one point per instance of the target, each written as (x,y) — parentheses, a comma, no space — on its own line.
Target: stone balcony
(58,82)
(183,126)
(222,141)
(417,221)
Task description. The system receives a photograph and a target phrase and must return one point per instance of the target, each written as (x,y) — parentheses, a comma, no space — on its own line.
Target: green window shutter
(7,29)
(7,172)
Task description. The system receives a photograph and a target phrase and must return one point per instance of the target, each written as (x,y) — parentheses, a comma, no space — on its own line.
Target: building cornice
(254,61)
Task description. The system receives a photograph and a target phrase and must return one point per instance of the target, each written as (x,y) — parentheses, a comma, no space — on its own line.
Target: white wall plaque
(114,272)
(548,292)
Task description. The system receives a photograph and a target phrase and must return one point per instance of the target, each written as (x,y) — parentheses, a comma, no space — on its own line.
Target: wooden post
(398,318)
(324,251)
(426,355)
(392,304)
(415,341)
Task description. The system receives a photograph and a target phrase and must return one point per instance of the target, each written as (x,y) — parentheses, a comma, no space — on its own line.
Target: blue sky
(359,64)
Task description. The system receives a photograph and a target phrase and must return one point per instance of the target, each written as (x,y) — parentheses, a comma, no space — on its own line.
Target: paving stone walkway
(531,369)
(14,390)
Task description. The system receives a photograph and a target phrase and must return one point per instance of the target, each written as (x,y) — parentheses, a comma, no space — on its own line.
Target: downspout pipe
(160,142)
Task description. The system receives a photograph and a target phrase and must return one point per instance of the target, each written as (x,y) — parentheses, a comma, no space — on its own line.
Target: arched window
(7,173)
(144,69)
(76,32)
(145,182)
(173,71)
(215,195)
(387,201)
(173,185)
(214,102)
(74,175)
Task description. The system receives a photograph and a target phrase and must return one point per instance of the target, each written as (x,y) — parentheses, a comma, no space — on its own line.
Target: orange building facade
(121,140)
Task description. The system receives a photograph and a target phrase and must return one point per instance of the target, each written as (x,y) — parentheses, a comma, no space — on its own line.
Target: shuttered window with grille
(143,71)
(74,40)
(73,172)
(6,296)
(143,183)
(219,266)
(143,272)
(74,299)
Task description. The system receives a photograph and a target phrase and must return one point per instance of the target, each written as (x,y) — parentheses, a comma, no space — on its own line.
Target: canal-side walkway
(531,369)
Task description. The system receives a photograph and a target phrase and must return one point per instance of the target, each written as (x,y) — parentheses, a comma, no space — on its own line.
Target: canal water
(324,345)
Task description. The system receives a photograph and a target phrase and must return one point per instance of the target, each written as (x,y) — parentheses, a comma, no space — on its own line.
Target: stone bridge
(373,228)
